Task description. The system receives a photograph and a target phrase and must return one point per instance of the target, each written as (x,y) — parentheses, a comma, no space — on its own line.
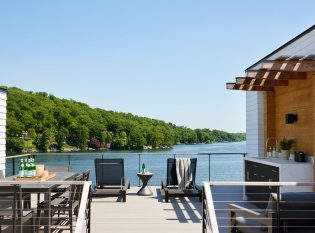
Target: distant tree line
(39,121)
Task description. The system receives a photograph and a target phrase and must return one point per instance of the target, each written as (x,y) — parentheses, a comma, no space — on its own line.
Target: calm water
(222,167)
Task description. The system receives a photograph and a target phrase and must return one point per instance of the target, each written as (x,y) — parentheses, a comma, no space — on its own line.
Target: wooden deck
(146,214)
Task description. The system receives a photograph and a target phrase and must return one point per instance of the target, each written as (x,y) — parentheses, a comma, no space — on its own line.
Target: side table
(145,177)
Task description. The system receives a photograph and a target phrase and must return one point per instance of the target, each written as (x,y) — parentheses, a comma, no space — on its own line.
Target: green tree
(61,140)
(44,140)
(15,144)
(136,139)
(120,142)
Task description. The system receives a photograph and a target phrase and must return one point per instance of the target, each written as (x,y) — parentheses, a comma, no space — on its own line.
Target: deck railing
(81,221)
(204,165)
(231,207)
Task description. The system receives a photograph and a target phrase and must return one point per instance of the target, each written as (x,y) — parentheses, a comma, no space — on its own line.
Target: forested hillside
(40,121)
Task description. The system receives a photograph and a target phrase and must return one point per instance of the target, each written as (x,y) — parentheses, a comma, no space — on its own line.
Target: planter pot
(285,154)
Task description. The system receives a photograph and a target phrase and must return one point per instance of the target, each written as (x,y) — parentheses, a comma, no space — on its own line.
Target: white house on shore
(3,117)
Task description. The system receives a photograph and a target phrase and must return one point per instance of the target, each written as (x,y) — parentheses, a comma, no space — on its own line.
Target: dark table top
(60,176)
(145,174)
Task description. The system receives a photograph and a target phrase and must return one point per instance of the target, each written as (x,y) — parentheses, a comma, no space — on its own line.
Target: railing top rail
(32,182)
(124,154)
(18,156)
(243,183)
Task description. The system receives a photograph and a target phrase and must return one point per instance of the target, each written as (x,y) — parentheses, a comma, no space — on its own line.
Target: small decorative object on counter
(143,168)
(300,156)
(286,145)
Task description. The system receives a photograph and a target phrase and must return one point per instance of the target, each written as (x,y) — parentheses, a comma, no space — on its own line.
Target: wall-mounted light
(291,118)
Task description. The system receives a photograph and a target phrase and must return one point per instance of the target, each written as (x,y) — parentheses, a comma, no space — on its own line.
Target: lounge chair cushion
(297,208)
(246,225)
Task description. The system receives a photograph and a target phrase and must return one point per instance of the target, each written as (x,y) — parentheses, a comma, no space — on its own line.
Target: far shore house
(280,98)
(3,117)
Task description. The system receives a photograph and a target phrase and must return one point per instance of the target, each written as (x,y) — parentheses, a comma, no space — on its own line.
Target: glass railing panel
(156,164)
(226,167)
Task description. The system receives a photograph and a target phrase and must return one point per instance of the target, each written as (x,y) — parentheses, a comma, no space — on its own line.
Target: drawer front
(251,171)
(260,173)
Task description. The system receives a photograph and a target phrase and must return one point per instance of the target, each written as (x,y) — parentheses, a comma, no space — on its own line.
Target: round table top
(145,174)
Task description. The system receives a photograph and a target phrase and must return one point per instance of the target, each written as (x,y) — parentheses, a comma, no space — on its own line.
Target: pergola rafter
(272,73)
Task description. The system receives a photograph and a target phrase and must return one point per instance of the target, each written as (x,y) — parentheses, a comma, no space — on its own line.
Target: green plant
(287,144)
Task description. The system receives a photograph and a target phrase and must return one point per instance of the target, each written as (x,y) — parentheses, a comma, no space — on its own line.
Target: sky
(163,59)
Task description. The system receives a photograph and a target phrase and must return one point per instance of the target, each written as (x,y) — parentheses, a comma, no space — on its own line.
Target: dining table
(46,190)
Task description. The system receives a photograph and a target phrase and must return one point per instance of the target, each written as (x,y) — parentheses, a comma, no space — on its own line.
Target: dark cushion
(296,208)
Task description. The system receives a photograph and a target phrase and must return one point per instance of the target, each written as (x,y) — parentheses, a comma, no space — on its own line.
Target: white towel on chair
(183,172)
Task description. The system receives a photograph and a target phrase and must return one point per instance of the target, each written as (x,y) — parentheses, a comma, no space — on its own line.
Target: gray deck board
(146,214)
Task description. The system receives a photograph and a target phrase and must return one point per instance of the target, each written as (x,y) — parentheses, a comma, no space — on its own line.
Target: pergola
(272,73)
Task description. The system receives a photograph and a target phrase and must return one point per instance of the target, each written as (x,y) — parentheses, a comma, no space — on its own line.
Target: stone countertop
(276,161)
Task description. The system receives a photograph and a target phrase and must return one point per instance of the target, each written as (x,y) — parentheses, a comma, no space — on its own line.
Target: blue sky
(164,59)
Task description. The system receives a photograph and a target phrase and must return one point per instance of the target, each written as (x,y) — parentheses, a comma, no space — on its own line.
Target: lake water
(222,167)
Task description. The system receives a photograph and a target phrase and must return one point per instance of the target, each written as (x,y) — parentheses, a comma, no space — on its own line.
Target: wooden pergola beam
(261,81)
(293,65)
(244,87)
(276,75)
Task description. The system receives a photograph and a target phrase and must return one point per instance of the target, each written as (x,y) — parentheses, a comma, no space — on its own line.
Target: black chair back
(109,172)
(171,171)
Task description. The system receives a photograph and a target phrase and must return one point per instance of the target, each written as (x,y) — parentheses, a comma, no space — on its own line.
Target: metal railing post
(209,166)
(13,166)
(139,164)
(278,209)
(69,160)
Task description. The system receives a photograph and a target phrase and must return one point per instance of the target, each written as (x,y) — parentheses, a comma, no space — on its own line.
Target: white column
(3,117)
(254,123)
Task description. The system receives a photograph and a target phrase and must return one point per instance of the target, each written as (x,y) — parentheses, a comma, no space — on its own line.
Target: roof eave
(282,47)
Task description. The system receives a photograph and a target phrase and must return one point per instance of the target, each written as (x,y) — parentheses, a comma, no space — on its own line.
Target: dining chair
(12,213)
(69,204)
(61,189)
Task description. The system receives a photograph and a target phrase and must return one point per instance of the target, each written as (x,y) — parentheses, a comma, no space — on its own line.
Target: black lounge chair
(110,178)
(170,185)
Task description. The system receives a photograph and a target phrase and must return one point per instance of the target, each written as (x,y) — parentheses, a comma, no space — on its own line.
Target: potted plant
(286,145)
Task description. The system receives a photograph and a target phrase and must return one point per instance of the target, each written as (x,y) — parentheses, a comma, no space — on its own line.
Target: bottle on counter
(22,168)
(269,152)
(274,153)
(28,171)
(34,167)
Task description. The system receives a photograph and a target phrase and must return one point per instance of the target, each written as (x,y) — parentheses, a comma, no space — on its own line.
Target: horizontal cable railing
(33,205)
(258,206)
(209,165)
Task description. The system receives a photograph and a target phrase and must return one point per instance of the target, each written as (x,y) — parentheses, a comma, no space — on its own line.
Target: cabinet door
(260,173)
(251,174)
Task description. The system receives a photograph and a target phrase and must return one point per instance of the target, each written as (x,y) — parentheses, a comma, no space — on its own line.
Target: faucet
(272,138)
